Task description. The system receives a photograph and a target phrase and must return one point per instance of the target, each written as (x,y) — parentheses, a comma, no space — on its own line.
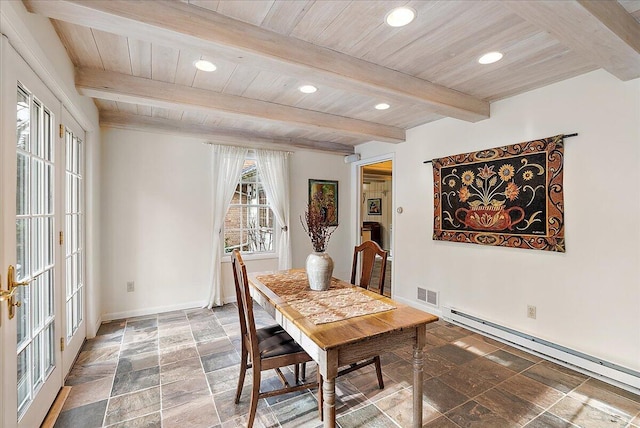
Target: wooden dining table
(342,342)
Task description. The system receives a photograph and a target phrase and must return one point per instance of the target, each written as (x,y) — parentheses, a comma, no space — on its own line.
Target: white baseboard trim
(96,327)
(229,300)
(150,311)
(607,372)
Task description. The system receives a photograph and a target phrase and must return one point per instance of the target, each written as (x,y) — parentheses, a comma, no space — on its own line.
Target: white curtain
(273,167)
(227,162)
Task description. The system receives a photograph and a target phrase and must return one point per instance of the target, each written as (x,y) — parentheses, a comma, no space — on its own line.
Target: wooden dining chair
(368,251)
(264,348)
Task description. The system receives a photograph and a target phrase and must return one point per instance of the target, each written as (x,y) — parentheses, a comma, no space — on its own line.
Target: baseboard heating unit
(620,376)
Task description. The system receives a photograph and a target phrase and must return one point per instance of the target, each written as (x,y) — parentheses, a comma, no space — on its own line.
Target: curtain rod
(211,143)
(575,134)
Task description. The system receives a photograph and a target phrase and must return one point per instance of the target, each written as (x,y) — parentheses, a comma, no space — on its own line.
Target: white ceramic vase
(319,270)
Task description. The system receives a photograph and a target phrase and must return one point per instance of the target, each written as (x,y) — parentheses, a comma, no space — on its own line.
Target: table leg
(329,402)
(418,363)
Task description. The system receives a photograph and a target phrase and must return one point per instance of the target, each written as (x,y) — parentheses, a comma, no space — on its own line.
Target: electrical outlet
(531,311)
(130,287)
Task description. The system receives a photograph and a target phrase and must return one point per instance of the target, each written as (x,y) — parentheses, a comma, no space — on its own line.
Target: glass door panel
(73,247)
(34,247)
(74,254)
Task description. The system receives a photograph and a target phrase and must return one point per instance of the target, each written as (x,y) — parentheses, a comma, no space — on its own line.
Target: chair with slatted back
(264,348)
(368,251)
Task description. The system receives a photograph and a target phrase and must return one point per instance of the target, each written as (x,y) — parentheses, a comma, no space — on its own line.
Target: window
(248,224)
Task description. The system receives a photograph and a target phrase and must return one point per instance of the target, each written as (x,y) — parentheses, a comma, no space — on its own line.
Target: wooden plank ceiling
(135,58)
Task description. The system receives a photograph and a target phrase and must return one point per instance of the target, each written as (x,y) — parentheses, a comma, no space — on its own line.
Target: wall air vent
(428,296)
(432,297)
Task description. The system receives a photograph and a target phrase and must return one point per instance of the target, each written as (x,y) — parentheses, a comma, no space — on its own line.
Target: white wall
(156,208)
(587,299)
(156,211)
(321,166)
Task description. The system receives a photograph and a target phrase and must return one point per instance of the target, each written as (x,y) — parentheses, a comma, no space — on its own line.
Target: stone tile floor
(180,369)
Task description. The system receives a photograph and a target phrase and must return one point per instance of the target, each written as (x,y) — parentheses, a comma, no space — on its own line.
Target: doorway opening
(376,210)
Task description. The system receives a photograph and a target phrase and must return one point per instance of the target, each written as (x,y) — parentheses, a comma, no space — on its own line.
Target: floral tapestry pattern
(508,196)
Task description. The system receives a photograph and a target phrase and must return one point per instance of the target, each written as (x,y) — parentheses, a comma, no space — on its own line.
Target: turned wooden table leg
(329,404)
(418,365)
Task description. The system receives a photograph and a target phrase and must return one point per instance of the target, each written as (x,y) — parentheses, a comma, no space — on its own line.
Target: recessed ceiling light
(205,65)
(382,106)
(490,58)
(307,89)
(400,16)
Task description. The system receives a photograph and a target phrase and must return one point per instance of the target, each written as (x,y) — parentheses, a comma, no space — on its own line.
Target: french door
(73,240)
(32,204)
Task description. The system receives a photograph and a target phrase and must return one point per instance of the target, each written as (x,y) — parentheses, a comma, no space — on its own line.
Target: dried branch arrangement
(316,224)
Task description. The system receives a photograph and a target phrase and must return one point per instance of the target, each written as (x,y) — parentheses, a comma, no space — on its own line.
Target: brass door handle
(6,295)
(12,288)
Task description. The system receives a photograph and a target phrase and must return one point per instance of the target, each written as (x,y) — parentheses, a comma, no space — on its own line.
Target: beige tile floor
(180,369)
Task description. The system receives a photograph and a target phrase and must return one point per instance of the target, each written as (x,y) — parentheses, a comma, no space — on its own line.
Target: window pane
(79,232)
(75,246)
(262,196)
(37,186)
(22,248)
(36,245)
(23,121)
(266,217)
(80,271)
(74,194)
(74,272)
(80,307)
(48,141)
(36,302)
(243,241)
(69,318)
(68,235)
(75,312)
(68,276)
(36,360)
(49,186)
(22,195)
(22,295)
(23,379)
(51,296)
(76,156)
(51,239)
(244,193)
(36,140)
(50,359)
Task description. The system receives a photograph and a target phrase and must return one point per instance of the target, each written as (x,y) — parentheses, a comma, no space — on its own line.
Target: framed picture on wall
(374,206)
(328,190)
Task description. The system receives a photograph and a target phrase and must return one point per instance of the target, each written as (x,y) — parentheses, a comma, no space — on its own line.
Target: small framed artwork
(328,190)
(374,206)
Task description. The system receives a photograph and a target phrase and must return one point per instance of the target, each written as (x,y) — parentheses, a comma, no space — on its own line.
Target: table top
(343,332)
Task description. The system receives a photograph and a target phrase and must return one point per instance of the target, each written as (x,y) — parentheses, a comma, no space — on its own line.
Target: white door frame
(356,183)
(15,69)
(4,84)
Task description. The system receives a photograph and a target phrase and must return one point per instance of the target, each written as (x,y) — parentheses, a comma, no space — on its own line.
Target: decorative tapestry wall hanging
(510,196)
